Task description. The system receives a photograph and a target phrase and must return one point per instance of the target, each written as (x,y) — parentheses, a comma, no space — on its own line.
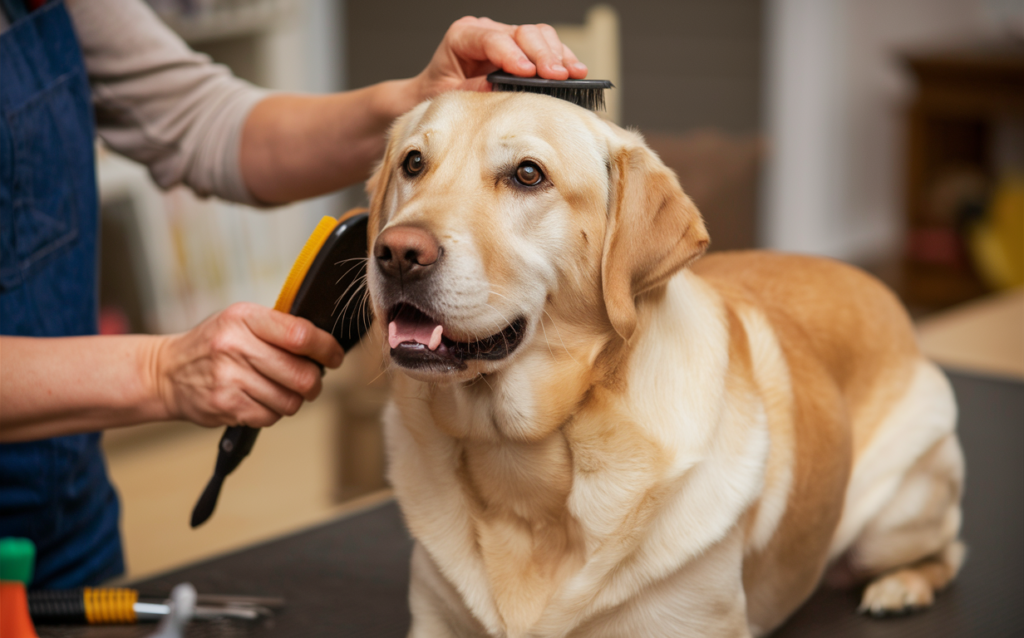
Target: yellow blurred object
(302,263)
(997,241)
(109,605)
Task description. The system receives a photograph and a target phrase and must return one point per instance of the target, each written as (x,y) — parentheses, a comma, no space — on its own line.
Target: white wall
(835,96)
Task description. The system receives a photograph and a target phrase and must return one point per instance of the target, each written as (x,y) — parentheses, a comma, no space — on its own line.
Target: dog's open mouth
(419,341)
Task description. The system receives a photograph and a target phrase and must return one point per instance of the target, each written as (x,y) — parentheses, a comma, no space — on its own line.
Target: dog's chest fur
(545,498)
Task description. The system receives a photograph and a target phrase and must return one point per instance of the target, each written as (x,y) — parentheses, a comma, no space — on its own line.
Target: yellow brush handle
(302,263)
(305,259)
(110,605)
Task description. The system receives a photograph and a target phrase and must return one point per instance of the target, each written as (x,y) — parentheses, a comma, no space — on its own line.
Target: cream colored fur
(677,447)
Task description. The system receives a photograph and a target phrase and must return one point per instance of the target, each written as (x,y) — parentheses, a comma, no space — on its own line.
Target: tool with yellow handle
(124,606)
(325,285)
(95,606)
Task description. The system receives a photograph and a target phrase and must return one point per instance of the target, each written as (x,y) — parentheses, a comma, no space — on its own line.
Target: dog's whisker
(501,330)
(360,283)
(347,288)
(347,271)
(554,324)
(345,261)
(546,338)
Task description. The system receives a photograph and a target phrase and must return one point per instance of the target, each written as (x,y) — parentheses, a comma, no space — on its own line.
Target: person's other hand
(245,365)
(474,47)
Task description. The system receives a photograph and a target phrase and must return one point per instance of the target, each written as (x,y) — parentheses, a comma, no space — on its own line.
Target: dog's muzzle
(418,341)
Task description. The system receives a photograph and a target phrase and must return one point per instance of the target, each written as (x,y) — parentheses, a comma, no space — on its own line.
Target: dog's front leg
(704,598)
(437,608)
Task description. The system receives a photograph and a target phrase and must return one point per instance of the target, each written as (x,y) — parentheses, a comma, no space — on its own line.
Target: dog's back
(870,416)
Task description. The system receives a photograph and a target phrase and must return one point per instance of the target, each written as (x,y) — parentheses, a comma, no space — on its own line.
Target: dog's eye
(413,163)
(528,174)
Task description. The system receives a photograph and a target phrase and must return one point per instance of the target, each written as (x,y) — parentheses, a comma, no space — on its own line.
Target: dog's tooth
(393,340)
(435,338)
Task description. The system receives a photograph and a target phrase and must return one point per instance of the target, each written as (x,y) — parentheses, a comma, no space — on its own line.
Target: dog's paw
(898,593)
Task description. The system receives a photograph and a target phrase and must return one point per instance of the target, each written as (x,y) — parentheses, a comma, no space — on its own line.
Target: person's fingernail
(559,68)
(580,67)
(525,64)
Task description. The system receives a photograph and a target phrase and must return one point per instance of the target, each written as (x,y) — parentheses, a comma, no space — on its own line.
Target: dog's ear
(654,230)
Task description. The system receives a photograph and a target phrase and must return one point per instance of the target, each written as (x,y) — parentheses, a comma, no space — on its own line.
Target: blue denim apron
(56,491)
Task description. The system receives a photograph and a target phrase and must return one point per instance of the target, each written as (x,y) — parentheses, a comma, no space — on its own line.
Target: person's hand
(474,47)
(246,365)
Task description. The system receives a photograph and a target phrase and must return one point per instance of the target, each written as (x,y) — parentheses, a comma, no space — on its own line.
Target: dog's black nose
(406,252)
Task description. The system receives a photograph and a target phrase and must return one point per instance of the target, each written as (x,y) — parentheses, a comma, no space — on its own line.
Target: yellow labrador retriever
(594,434)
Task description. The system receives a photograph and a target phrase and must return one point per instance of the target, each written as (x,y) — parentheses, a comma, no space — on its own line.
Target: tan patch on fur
(850,362)
(852,323)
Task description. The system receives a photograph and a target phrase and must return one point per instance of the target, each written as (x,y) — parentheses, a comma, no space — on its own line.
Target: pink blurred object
(937,246)
(114,321)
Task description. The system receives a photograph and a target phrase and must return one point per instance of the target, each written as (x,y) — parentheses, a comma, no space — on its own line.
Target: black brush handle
(332,297)
(500,77)
(57,607)
(235,445)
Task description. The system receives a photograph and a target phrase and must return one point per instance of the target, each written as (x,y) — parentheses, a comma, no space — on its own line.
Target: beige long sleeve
(160,103)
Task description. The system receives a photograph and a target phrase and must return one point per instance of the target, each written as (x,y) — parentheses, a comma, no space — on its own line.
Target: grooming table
(349,577)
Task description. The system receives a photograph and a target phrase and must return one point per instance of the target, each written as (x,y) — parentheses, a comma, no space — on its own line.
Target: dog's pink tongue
(401,331)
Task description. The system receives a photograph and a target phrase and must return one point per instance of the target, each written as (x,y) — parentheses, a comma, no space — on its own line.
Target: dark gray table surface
(349,577)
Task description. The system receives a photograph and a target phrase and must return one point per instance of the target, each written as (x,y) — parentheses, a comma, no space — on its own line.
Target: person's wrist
(154,370)
(397,97)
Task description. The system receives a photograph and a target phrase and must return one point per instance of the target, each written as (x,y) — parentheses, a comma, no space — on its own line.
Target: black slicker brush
(324,286)
(586,93)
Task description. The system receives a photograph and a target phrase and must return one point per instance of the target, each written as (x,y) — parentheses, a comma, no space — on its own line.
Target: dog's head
(502,221)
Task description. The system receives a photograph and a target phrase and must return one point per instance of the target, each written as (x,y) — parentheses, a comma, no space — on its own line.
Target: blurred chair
(596,44)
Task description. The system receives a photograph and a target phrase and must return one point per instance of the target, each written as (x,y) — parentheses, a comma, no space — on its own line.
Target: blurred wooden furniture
(961,101)
(721,173)
(596,44)
(359,391)
(984,337)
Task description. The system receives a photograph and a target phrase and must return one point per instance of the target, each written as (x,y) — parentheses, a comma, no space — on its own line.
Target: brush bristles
(590,99)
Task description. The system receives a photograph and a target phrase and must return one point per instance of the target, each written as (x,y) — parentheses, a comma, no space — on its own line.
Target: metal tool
(120,605)
(180,610)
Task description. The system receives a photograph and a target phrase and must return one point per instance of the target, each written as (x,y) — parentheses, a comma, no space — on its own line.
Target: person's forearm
(68,385)
(299,146)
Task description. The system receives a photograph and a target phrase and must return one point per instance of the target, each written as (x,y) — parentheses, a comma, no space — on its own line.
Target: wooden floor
(983,337)
(294,478)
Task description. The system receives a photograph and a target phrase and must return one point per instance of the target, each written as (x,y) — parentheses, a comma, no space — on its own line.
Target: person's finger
(507,29)
(294,334)
(551,37)
(478,83)
(295,374)
(531,39)
(239,395)
(253,413)
(577,70)
(482,44)
(267,401)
